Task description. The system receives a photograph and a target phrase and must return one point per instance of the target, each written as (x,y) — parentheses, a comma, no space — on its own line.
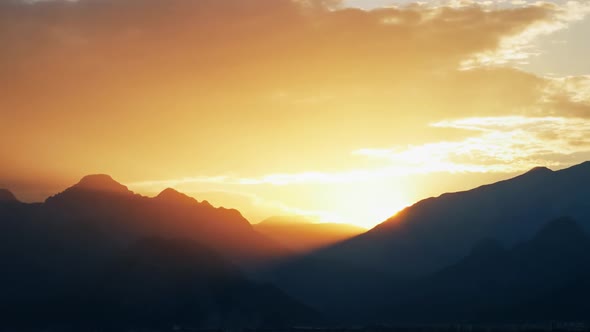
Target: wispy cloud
(504,144)
(276,179)
(258,208)
(188,82)
(518,48)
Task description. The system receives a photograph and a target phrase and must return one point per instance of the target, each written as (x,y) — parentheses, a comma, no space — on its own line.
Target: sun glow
(367,204)
(363,202)
(263,106)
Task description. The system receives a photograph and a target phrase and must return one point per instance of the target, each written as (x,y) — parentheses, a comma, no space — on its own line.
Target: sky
(342,111)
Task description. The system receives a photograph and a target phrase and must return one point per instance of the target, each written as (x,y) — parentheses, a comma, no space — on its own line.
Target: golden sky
(340,110)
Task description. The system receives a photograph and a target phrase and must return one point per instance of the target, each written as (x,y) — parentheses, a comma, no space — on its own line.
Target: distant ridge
(170,194)
(174,196)
(564,228)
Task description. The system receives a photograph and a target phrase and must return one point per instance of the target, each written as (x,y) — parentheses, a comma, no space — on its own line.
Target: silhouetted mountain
(100,255)
(7,197)
(493,284)
(301,235)
(483,255)
(112,208)
(434,233)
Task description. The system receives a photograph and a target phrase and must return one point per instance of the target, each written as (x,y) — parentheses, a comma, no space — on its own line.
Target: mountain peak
(540,170)
(101,183)
(7,196)
(171,194)
(561,228)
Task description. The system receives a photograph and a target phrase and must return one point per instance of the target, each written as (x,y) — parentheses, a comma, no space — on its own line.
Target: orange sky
(346,111)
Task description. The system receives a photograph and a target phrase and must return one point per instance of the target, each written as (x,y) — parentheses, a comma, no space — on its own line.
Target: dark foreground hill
(154,283)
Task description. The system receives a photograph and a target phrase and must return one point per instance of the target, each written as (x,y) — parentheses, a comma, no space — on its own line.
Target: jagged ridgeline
(99,255)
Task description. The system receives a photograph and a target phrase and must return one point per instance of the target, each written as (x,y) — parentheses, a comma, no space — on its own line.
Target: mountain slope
(301,235)
(493,284)
(434,233)
(111,207)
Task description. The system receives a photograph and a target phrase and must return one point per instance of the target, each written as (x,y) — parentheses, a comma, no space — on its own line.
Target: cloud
(569,96)
(156,89)
(68,52)
(277,179)
(519,47)
(502,145)
(270,38)
(505,144)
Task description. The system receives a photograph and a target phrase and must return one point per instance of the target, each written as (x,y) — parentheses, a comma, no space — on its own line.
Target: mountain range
(99,255)
(112,207)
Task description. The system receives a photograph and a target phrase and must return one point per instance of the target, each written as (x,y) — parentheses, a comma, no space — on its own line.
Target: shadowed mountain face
(435,233)
(98,255)
(301,236)
(542,279)
(111,207)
